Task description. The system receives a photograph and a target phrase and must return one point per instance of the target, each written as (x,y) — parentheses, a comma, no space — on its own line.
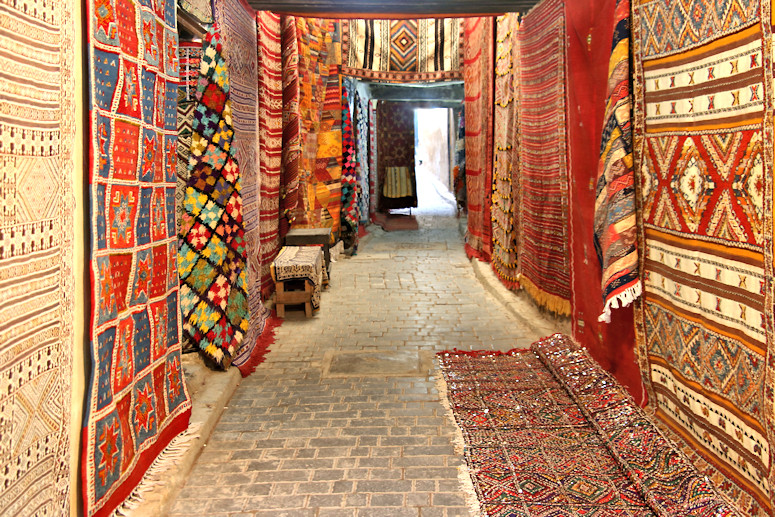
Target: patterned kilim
(270,131)
(202,10)
(615,218)
(703,112)
(478,102)
(315,41)
(291,144)
(362,155)
(546,431)
(212,262)
(237,21)
(190,56)
(459,170)
(402,50)
(373,155)
(505,182)
(137,399)
(349,214)
(395,139)
(324,186)
(294,262)
(37,140)
(543,245)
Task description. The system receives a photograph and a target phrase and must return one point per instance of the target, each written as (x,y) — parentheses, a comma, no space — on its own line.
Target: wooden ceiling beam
(392,8)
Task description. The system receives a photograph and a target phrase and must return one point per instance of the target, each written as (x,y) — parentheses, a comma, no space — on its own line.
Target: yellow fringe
(551,302)
(458,441)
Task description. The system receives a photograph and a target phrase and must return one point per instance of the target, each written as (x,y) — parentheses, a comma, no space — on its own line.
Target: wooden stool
(287,292)
(311,236)
(297,272)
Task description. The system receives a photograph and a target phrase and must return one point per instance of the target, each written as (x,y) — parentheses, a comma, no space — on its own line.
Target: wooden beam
(393,8)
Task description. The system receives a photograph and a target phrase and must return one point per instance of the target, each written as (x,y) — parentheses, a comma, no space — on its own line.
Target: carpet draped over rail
(270,133)
(137,400)
(349,217)
(543,242)
(505,178)
(364,170)
(212,257)
(547,431)
(478,102)
(404,50)
(291,158)
(237,22)
(37,141)
(703,156)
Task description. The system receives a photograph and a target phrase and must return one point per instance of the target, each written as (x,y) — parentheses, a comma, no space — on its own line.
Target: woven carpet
(37,141)
(402,50)
(395,142)
(373,152)
(546,431)
(237,21)
(291,144)
(459,170)
(703,155)
(270,131)
(543,246)
(190,59)
(505,179)
(137,400)
(615,219)
(349,217)
(478,102)
(212,256)
(362,156)
(202,10)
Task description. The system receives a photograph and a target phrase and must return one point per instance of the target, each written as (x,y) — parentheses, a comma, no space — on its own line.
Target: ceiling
(392,8)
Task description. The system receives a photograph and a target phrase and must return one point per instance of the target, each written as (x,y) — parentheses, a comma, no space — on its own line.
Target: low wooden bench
(298,275)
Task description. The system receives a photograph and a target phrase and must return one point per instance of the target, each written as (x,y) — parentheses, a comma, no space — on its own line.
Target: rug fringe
(622,299)
(459,444)
(154,476)
(263,342)
(551,302)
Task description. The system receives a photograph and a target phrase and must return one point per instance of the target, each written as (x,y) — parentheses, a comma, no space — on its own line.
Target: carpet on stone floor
(396,222)
(546,431)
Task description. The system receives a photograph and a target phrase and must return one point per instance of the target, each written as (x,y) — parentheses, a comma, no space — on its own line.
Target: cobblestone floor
(300,440)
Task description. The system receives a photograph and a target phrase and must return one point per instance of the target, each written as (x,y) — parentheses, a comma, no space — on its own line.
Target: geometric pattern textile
(137,400)
(190,58)
(212,263)
(478,101)
(202,10)
(373,156)
(37,140)
(294,262)
(402,50)
(395,139)
(615,220)
(505,186)
(547,431)
(362,155)
(349,214)
(703,111)
(270,131)
(291,144)
(237,21)
(543,242)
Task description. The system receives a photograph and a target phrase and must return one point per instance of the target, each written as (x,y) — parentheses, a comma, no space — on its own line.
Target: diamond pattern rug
(547,432)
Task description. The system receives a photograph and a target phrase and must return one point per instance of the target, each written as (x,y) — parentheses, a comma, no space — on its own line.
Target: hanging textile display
(349,214)
(212,261)
(270,131)
(373,152)
(402,50)
(505,181)
(137,400)
(459,170)
(397,186)
(543,242)
(291,143)
(190,58)
(478,102)
(37,142)
(615,221)
(202,10)
(324,186)
(362,154)
(704,160)
(237,21)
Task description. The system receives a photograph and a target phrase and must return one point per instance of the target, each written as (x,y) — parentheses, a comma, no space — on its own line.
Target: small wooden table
(298,275)
(309,236)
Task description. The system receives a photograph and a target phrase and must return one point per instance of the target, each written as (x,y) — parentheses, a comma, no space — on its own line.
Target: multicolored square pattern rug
(547,432)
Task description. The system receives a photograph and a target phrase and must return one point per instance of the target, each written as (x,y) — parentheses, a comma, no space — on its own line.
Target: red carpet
(396,222)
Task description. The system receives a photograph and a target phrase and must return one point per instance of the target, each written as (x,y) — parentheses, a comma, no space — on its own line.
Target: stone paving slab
(296,441)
